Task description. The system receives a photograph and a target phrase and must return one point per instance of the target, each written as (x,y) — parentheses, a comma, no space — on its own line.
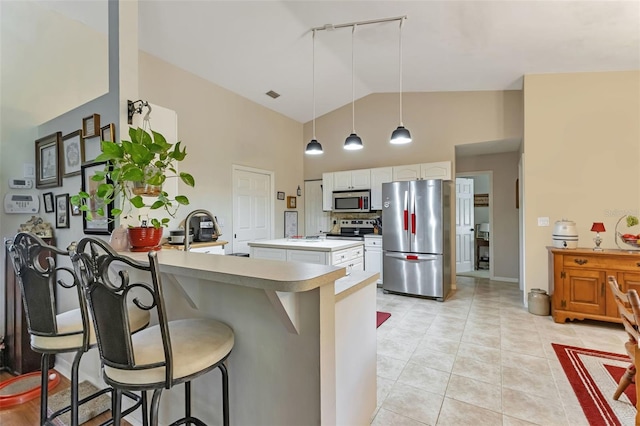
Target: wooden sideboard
(19,358)
(578,282)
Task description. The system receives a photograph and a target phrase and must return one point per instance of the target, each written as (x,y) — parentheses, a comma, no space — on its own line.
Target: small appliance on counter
(203,228)
(565,234)
(177,236)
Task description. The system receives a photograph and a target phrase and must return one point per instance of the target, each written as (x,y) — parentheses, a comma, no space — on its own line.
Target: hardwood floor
(28,413)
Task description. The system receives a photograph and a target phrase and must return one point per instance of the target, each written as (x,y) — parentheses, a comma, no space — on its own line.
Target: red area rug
(594,377)
(381,317)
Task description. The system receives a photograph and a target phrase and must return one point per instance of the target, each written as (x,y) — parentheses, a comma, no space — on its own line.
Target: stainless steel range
(354,229)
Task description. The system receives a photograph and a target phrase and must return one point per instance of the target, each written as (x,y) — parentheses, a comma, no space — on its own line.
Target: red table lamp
(597,227)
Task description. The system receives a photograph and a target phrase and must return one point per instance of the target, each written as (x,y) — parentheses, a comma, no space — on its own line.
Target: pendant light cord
(353,84)
(313,78)
(400,70)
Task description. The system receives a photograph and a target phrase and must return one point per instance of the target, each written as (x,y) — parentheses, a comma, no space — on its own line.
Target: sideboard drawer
(626,263)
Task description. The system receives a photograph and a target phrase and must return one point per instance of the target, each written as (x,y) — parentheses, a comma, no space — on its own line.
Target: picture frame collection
(61,156)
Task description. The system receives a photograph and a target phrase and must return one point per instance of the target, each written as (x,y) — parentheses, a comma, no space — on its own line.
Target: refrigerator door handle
(413,214)
(406,211)
(411,256)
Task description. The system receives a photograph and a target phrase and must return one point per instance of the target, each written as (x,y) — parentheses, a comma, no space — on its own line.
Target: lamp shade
(597,227)
(353,142)
(484,227)
(313,148)
(401,135)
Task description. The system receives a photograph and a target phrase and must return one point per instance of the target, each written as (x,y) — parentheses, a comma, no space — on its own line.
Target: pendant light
(401,135)
(313,147)
(353,141)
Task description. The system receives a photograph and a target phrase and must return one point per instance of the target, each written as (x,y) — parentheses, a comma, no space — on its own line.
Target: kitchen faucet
(187,224)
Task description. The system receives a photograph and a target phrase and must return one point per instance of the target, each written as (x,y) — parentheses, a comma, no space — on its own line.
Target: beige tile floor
(479,358)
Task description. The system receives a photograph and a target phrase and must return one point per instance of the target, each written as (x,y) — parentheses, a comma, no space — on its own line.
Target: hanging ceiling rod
(331,27)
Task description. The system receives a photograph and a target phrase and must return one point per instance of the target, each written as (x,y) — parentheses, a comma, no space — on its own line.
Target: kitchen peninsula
(305,338)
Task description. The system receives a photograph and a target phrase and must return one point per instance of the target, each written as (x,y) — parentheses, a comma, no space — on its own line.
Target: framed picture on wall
(62,211)
(291,202)
(481,200)
(107,133)
(47,197)
(91,126)
(48,169)
(72,153)
(102,221)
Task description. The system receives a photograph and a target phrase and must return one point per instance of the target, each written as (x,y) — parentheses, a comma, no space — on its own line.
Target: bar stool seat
(196,345)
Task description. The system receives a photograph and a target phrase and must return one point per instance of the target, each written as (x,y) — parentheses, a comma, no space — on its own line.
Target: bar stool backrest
(37,276)
(106,280)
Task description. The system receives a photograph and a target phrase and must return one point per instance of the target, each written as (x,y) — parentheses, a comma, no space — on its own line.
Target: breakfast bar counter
(305,338)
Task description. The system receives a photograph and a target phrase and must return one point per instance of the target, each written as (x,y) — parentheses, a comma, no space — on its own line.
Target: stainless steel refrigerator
(416,237)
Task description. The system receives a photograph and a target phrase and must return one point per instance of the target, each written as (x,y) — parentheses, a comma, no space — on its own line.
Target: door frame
(490,173)
(235,168)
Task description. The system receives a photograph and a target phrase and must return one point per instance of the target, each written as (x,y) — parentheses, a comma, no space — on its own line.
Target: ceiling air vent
(273,94)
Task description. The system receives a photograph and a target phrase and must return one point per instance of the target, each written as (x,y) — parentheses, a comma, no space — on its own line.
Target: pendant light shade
(314,147)
(353,141)
(401,135)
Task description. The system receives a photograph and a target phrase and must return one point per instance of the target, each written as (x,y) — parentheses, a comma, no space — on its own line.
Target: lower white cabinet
(373,255)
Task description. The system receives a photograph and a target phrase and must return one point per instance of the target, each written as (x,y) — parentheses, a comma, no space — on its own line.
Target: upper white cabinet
(437,170)
(352,179)
(378,177)
(409,172)
(327,191)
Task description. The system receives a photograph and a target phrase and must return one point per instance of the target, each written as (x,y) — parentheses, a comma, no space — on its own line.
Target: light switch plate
(543,221)
(29,170)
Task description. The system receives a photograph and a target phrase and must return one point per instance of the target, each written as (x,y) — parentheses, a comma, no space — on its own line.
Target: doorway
(479,236)
(253,207)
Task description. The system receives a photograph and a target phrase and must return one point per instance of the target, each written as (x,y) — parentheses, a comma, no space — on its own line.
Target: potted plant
(133,176)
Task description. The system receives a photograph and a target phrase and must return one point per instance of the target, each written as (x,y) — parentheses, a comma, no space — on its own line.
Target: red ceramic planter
(145,239)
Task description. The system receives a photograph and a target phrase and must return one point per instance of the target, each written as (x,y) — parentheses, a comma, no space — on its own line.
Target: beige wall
(221,129)
(504,231)
(581,157)
(437,121)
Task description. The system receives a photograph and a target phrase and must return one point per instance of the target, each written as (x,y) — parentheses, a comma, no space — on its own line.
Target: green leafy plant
(135,168)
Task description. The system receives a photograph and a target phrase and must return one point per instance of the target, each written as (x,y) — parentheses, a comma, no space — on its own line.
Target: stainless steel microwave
(351,201)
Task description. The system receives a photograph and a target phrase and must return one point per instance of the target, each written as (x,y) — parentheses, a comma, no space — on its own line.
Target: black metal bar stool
(52,332)
(159,357)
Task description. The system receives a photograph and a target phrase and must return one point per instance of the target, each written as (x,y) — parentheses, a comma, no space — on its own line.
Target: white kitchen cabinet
(268,253)
(307,256)
(352,179)
(436,170)
(408,172)
(373,255)
(327,192)
(352,259)
(379,176)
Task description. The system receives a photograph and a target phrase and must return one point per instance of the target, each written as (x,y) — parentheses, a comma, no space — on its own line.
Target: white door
(252,207)
(464,225)
(316,221)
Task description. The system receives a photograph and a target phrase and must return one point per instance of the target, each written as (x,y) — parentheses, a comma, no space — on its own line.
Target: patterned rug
(381,317)
(86,411)
(594,377)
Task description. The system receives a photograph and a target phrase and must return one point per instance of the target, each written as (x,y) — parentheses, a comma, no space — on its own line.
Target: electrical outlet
(543,221)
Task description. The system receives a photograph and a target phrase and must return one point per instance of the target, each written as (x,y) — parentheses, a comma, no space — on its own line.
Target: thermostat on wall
(21,183)
(21,203)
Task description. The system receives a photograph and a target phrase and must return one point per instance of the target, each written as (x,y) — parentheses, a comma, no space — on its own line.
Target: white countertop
(301,244)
